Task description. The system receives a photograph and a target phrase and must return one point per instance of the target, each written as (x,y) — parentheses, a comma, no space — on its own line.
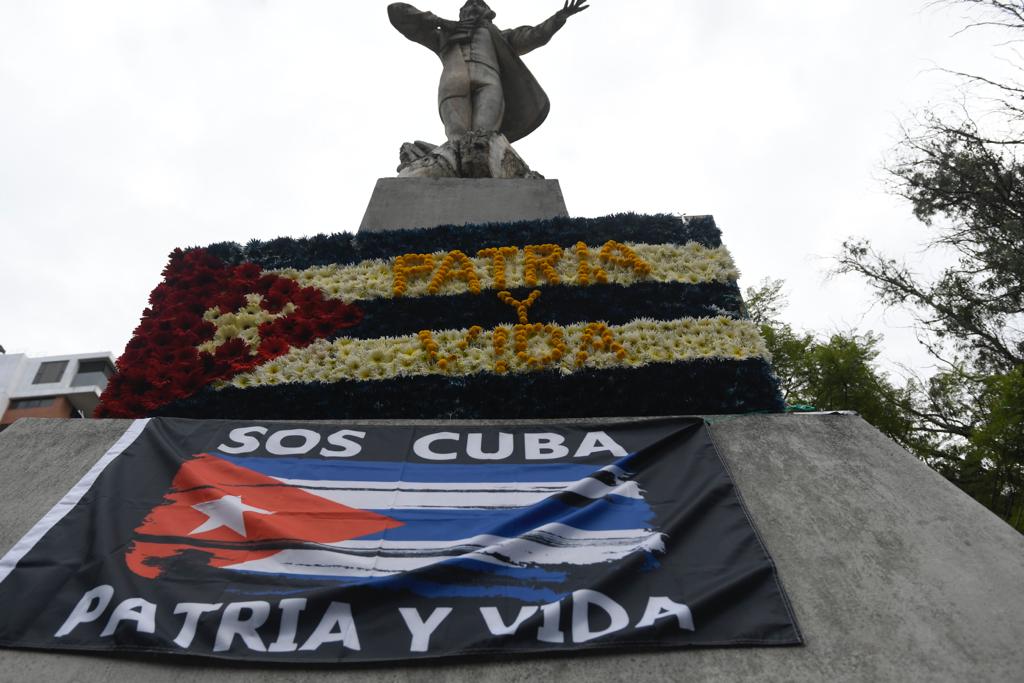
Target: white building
(55,386)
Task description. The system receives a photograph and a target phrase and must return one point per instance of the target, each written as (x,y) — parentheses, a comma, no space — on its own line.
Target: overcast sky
(131,127)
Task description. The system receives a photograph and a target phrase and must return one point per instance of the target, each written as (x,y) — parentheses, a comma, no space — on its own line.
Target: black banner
(325,544)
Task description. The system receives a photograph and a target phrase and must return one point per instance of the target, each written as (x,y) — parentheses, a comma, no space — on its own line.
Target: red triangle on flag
(228,511)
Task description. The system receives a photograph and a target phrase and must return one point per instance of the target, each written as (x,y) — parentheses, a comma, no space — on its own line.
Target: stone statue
(487,98)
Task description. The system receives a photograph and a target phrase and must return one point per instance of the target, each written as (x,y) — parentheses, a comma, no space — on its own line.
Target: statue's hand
(574,7)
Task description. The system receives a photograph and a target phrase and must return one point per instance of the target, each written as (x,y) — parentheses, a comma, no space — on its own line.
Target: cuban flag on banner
(436,530)
(335,544)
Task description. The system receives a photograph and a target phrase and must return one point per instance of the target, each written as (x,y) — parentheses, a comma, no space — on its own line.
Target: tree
(833,373)
(965,181)
(789,349)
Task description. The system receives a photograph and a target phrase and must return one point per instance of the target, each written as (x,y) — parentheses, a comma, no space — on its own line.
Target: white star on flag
(227,511)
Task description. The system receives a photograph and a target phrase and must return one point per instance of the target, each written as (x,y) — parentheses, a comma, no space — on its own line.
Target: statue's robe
(526,104)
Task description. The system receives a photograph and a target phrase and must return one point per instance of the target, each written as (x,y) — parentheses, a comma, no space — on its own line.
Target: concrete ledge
(404,203)
(894,574)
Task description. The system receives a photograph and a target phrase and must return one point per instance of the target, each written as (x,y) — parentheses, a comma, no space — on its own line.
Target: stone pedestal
(404,203)
(892,571)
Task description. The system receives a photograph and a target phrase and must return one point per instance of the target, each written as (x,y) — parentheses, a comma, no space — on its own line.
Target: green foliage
(996,454)
(843,374)
(967,185)
(790,352)
(835,373)
(1003,430)
(971,192)
(789,349)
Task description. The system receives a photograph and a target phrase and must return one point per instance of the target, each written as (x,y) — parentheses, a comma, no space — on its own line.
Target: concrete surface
(403,203)
(894,574)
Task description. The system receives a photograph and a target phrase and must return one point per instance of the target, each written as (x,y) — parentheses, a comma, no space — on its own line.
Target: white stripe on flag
(552,544)
(411,495)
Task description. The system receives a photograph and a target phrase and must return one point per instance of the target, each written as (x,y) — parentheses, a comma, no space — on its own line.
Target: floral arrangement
(533,346)
(209,321)
(348,248)
(347,326)
(498,268)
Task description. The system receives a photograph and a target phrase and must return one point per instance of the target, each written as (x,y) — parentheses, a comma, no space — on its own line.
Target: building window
(27,403)
(51,372)
(93,373)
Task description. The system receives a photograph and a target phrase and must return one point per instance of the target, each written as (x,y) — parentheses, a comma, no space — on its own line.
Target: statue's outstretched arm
(528,38)
(420,27)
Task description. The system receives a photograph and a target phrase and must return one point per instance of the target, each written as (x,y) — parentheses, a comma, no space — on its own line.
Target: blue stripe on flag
(469,578)
(315,469)
(489,581)
(433,589)
(610,514)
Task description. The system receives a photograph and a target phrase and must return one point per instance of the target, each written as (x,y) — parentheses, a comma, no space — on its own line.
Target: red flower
(303,335)
(231,302)
(273,302)
(162,363)
(325,327)
(249,272)
(282,327)
(272,348)
(307,297)
(192,382)
(186,355)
